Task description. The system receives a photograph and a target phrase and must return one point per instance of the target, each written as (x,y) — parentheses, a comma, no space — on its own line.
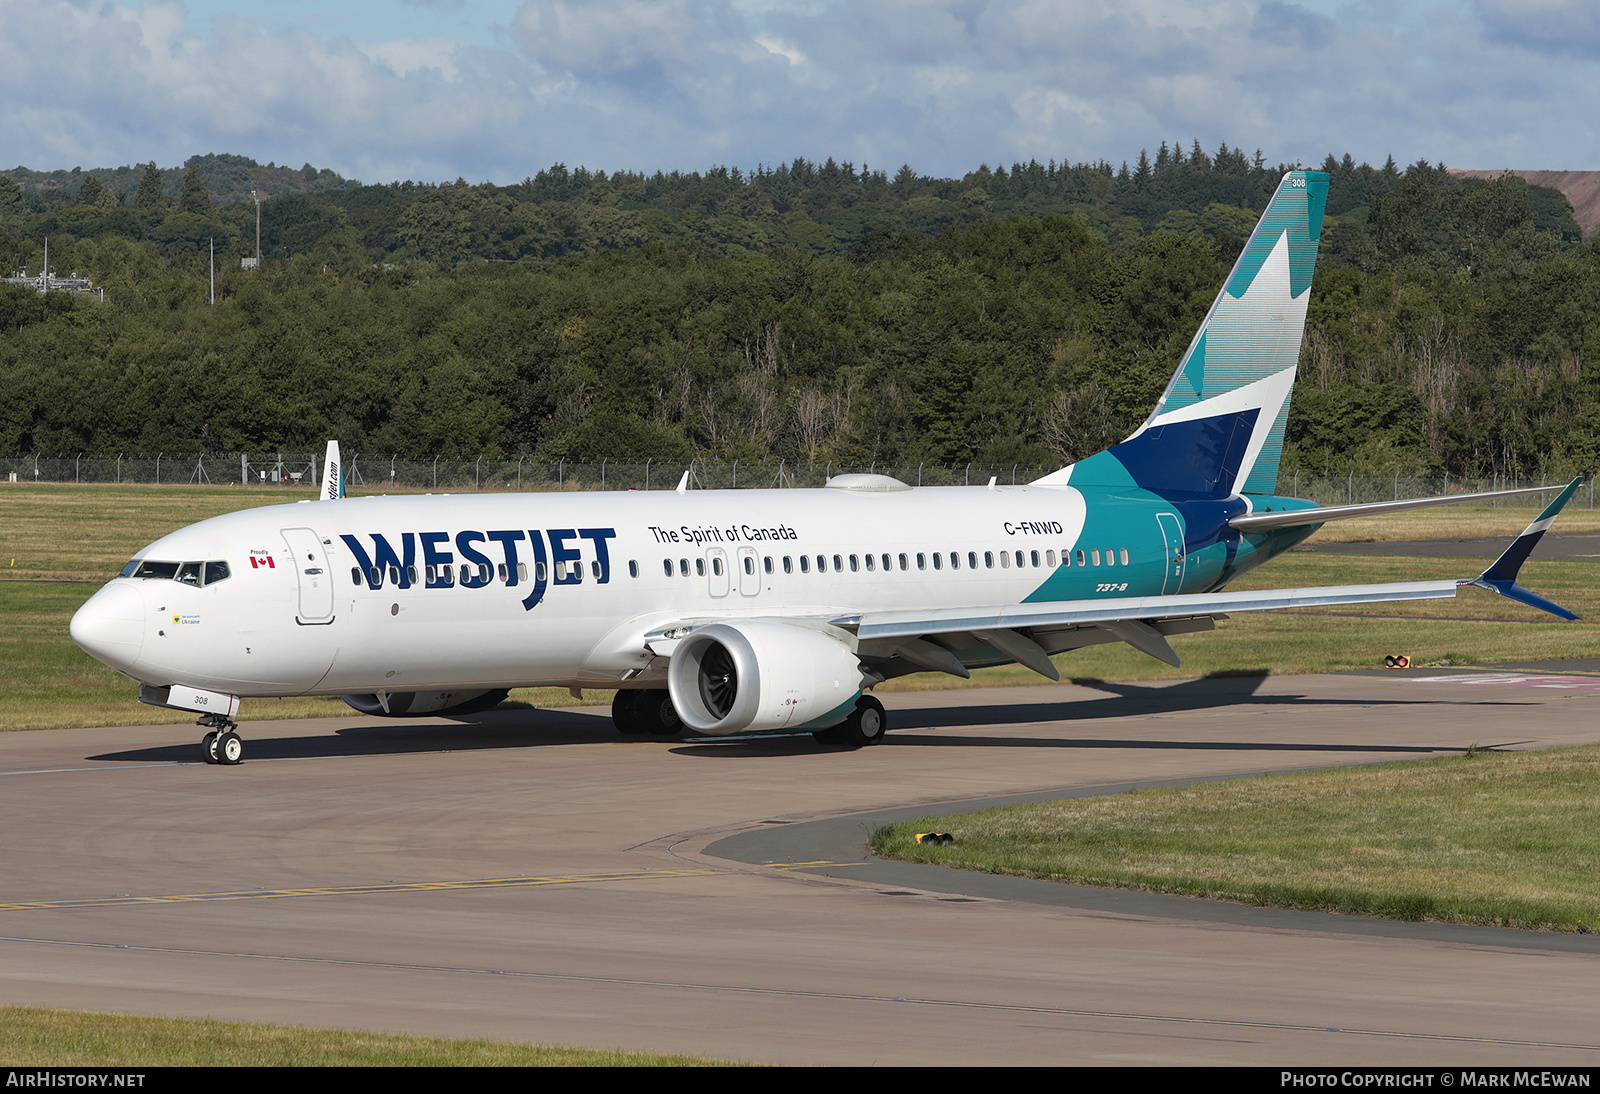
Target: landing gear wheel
(626,713)
(657,715)
(865,726)
(208,747)
(230,748)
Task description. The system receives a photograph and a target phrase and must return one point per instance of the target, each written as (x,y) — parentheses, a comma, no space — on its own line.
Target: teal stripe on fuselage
(1214,554)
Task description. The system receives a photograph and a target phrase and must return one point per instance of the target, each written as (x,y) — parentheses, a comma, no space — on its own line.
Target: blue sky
(436,89)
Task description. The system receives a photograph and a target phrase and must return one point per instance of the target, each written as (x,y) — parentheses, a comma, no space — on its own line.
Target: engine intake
(754,675)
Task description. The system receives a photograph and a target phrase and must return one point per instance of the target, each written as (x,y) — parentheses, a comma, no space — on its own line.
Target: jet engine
(752,675)
(420,704)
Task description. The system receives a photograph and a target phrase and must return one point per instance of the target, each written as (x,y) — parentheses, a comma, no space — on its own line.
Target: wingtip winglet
(1501,576)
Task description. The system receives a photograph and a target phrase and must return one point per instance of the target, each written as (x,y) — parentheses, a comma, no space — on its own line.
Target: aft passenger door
(1172,536)
(311,571)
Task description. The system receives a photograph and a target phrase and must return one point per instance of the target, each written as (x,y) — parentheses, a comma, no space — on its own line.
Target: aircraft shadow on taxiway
(1123,701)
(527,727)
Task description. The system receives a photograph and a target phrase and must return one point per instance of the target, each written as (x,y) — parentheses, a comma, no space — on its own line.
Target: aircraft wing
(1141,621)
(1029,633)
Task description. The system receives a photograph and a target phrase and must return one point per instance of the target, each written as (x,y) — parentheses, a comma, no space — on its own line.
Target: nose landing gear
(222,743)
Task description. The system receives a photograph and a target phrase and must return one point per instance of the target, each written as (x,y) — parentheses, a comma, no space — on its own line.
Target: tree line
(806,311)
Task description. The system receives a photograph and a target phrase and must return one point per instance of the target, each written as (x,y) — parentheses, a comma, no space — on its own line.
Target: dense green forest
(806,311)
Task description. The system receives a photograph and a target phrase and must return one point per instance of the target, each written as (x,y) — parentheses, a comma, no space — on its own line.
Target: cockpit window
(190,573)
(146,568)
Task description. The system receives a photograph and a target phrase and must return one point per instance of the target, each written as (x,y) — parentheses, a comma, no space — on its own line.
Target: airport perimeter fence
(298,471)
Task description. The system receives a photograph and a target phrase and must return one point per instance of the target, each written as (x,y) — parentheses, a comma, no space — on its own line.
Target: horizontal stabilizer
(1297,518)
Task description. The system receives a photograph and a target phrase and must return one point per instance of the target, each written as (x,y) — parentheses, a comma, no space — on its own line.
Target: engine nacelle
(420,704)
(752,675)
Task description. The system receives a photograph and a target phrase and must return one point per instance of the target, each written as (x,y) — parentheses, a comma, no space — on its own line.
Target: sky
(434,90)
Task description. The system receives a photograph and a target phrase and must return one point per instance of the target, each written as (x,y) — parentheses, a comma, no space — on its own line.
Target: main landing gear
(222,743)
(640,713)
(865,726)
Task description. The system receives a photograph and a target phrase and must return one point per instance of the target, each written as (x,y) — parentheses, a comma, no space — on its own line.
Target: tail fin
(332,474)
(1218,429)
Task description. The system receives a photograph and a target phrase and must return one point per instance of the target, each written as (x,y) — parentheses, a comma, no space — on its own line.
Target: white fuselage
(385,593)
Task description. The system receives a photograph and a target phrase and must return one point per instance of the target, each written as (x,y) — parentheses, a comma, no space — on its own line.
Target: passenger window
(972,560)
(375,577)
(666,566)
(1124,553)
(766,563)
(504,573)
(886,564)
(522,570)
(1049,558)
(700,567)
(788,564)
(838,564)
(805,564)
(539,572)
(1080,556)
(988,559)
(1005,560)
(955,560)
(872,564)
(683,567)
(822,564)
(855,565)
(355,575)
(594,568)
(716,566)
(1019,560)
(749,565)
(922,561)
(394,575)
(938,561)
(903,565)
(633,568)
(411,575)
(1033,557)
(1094,556)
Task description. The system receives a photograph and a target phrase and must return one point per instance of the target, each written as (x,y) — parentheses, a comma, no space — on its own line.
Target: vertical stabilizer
(332,474)
(1218,428)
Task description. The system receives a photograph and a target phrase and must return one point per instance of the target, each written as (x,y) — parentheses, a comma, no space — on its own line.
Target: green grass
(84,534)
(1498,838)
(37,1037)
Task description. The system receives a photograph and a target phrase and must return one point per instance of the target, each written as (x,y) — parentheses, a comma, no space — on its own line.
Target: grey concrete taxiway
(528,875)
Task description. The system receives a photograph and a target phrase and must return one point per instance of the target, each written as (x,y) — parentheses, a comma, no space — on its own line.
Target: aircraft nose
(110,626)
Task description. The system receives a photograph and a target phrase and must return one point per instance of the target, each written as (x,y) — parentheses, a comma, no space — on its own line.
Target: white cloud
(941,84)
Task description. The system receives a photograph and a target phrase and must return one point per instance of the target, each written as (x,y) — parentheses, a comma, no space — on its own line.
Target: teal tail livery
(724,612)
(1218,428)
